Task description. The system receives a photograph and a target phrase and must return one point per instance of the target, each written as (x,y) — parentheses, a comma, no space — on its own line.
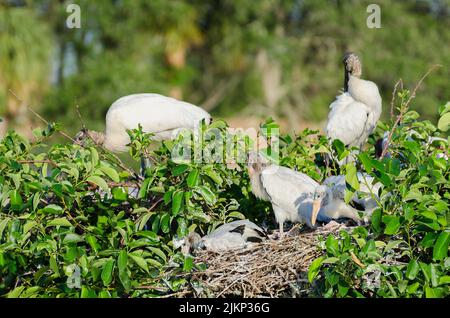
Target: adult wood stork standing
(161,115)
(289,191)
(355,113)
(233,235)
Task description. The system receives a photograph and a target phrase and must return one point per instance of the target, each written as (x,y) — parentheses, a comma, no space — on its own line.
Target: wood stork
(289,191)
(354,114)
(329,204)
(161,115)
(233,235)
(329,200)
(365,199)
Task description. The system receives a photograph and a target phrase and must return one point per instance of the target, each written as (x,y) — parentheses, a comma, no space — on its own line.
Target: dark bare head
(352,64)
(256,162)
(192,242)
(84,134)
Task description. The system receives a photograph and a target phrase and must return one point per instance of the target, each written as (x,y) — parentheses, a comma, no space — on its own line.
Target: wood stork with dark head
(354,114)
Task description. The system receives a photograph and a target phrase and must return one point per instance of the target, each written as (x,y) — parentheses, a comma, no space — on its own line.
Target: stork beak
(316,207)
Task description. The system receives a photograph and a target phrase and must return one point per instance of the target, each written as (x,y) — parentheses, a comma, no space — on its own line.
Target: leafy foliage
(404,251)
(74,208)
(75,222)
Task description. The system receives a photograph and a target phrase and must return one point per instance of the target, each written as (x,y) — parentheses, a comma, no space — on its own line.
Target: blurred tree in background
(25,45)
(235,58)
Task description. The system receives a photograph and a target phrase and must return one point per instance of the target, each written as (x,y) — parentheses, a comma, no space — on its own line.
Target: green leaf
(165,223)
(433,292)
(179,169)
(104,294)
(119,194)
(99,181)
(110,172)
(314,268)
(15,293)
(214,176)
(92,241)
(94,156)
(140,261)
(440,249)
(59,222)
(392,224)
(412,269)
(177,202)
(351,178)
(188,263)
(52,209)
(16,200)
(444,122)
(192,178)
(158,252)
(207,194)
(107,272)
(332,245)
(72,238)
(27,227)
(122,263)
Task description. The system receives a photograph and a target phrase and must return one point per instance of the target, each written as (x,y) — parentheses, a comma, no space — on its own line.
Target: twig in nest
(271,268)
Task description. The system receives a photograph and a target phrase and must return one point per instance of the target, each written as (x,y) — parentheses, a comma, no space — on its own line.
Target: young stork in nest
(229,236)
(289,191)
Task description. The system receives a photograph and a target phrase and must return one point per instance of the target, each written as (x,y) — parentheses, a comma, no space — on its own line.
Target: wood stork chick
(289,191)
(365,199)
(233,235)
(329,205)
(354,114)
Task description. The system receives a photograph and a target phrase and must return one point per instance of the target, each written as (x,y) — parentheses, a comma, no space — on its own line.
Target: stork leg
(281,230)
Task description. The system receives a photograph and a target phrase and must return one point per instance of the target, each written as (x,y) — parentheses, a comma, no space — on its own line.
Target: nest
(273,268)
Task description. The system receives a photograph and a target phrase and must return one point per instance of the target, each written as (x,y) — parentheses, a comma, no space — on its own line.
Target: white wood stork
(161,115)
(355,113)
(289,191)
(233,235)
(329,200)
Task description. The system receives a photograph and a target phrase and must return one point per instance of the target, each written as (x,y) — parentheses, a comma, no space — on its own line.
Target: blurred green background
(242,60)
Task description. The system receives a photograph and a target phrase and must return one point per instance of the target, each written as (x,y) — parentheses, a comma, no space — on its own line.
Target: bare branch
(404,109)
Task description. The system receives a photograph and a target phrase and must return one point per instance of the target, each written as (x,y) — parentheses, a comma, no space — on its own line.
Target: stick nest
(273,268)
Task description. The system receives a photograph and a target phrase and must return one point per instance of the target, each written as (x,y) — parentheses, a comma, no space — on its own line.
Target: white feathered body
(225,237)
(354,114)
(363,196)
(289,191)
(156,114)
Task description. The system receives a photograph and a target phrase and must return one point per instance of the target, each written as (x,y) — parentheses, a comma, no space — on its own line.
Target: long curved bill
(316,208)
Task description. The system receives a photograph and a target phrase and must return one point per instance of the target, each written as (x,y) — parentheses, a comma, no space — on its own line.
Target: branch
(120,163)
(404,109)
